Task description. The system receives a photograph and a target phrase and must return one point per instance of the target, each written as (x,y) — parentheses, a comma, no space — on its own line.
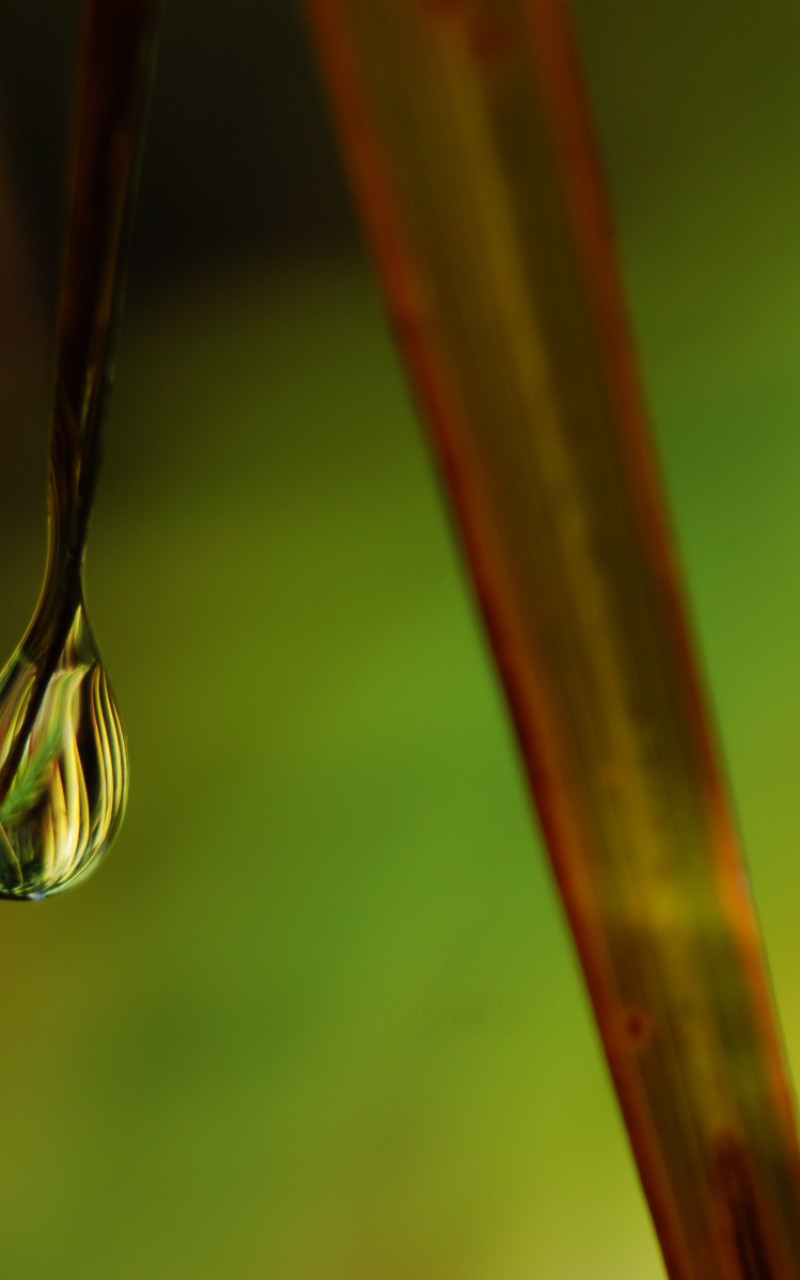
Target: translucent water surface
(63,767)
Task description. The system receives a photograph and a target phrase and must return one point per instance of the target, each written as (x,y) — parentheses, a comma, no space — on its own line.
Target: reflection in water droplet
(65,797)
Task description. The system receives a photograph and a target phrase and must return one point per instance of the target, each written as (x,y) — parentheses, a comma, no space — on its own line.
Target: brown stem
(469,144)
(113,83)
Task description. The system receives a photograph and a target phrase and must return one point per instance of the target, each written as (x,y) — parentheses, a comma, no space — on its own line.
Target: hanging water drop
(65,797)
(63,759)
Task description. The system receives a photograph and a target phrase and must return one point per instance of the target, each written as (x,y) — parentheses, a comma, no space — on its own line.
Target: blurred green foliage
(317,1017)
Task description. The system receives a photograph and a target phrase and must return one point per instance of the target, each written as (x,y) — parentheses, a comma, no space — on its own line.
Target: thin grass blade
(470,149)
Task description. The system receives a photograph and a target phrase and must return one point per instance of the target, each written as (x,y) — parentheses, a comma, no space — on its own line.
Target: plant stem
(470,149)
(114,78)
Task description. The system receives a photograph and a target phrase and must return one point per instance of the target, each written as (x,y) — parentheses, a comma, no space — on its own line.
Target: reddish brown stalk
(470,148)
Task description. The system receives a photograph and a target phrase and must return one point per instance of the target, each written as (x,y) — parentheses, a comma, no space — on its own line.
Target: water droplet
(63,764)
(63,761)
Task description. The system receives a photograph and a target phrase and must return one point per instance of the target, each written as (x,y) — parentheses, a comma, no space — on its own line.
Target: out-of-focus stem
(467,137)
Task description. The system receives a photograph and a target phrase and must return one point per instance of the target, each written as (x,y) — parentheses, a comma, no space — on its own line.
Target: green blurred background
(318,1017)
